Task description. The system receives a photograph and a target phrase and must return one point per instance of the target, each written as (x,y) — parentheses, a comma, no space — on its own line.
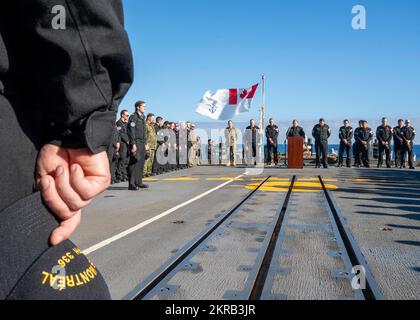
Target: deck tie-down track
(256,250)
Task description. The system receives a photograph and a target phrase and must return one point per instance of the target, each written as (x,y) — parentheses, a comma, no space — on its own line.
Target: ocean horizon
(335,147)
(331,148)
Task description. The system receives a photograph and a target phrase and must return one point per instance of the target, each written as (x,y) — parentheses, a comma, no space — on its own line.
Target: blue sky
(315,63)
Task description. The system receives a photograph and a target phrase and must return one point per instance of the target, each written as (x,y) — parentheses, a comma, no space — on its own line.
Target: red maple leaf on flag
(243,94)
(249,94)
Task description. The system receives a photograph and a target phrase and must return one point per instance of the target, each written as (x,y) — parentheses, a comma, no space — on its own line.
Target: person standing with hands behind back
(409,134)
(364,137)
(58,105)
(272,134)
(384,135)
(321,133)
(231,135)
(122,124)
(137,134)
(346,136)
(398,143)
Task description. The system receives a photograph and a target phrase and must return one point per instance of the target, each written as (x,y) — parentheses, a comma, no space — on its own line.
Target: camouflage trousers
(148,165)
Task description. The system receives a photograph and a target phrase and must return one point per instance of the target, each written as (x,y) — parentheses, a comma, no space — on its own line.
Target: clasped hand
(69,180)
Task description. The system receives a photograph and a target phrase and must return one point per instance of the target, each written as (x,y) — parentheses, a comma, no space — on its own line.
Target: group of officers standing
(142,143)
(356,142)
(403,136)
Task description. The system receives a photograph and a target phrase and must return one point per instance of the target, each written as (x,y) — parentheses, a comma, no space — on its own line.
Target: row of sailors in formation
(133,151)
(352,141)
(403,136)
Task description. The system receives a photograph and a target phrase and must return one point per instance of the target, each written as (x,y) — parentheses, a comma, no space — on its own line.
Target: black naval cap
(31,269)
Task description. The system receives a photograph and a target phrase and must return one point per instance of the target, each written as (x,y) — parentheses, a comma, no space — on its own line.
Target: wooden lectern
(295,153)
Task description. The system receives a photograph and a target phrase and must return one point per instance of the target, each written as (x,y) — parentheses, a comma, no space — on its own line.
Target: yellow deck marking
(181,179)
(298,187)
(317,179)
(271,179)
(360,180)
(224,179)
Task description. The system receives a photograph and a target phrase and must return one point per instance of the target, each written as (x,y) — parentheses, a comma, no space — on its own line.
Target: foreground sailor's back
(59,92)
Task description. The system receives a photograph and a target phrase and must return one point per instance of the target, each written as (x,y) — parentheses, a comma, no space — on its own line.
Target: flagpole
(262,109)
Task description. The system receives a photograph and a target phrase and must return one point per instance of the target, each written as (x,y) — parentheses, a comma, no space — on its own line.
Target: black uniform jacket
(398,137)
(137,129)
(408,134)
(295,132)
(272,133)
(384,134)
(123,131)
(115,139)
(364,134)
(321,134)
(73,79)
(346,133)
(61,87)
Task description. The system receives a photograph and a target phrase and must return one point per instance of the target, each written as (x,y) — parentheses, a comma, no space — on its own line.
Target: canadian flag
(225,104)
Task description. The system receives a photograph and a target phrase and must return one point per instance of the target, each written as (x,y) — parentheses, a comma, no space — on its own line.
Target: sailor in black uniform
(408,133)
(384,137)
(363,139)
(398,144)
(346,136)
(58,105)
(321,132)
(138,137)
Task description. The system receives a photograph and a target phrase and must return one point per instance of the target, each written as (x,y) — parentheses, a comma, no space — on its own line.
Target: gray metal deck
(382,208)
